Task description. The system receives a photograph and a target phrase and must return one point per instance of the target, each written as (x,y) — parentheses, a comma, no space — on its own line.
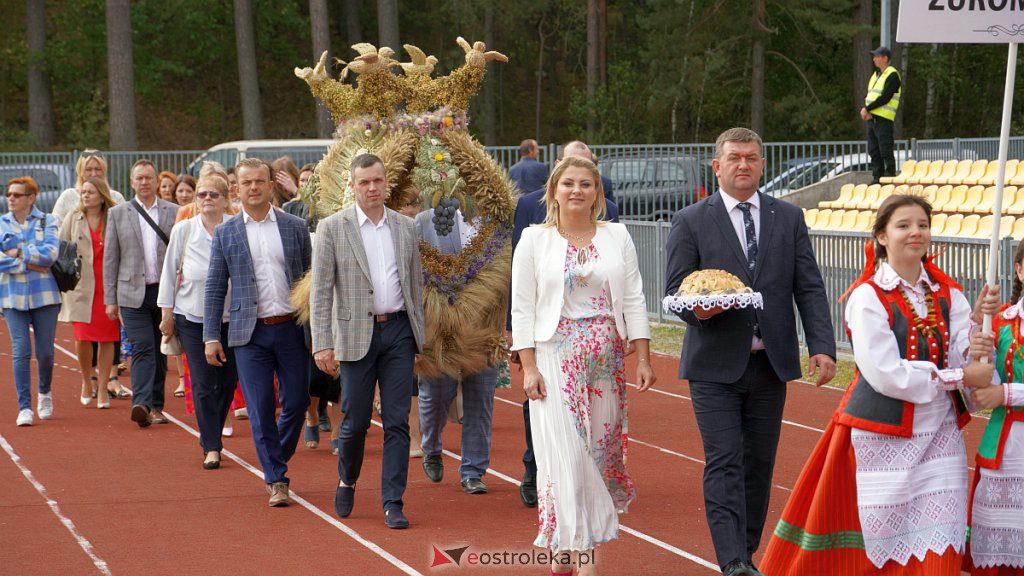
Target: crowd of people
(205,268)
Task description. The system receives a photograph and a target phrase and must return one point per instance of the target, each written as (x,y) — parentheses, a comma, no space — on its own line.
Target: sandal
(179,392)
(95,384)
(311,436)
(121,392)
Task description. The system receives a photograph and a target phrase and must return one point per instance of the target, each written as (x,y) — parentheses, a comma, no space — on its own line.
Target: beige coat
(77,304)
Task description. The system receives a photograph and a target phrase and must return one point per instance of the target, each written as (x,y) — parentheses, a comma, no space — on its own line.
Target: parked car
(229,153)
(656,187)
(51,178)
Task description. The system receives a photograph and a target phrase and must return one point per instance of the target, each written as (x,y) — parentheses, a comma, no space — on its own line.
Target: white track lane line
(86,546)
(372,547)
(645,537)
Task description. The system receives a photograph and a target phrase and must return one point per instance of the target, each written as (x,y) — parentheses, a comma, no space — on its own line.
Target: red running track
(88,492)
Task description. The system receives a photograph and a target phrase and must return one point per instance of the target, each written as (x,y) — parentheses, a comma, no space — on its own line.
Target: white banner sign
(961,21)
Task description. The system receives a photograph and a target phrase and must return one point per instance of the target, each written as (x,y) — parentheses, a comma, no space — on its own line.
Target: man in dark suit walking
(529,173)
(262,251)
(738,361)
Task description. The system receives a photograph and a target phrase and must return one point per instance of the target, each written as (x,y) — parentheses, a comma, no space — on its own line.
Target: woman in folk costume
(885,490)
(997,505)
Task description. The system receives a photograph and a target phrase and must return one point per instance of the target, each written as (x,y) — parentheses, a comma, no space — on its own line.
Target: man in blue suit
(531,210)
(262,252)
(738,361)
(529,173)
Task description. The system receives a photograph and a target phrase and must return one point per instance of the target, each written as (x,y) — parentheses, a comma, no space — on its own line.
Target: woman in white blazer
(577,297)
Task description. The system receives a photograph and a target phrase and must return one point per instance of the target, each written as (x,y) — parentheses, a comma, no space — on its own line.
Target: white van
(229,153)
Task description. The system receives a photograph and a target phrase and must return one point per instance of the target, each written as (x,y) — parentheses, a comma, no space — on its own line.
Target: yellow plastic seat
(953,224)
(1018,229)
(845,193)
(865,218)
(945,173)
(900,188)
(941,197)
(849,220)
(984,227)
(920,171)
(957,197)
(1006,226)
(988,201)
(928,193)
(973,199)
(870,195)
(822,220)
(935,169)
(835,220)
(1017,208)
(989,179)
(939,224)
(1018,178)
(978,169)
(810,216)
(858,195)
(905,171)
(883,193)
(969,226)
(963,170)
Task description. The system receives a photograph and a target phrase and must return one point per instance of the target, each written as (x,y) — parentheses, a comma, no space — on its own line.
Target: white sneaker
(24,417)
(228,431)
(45,406)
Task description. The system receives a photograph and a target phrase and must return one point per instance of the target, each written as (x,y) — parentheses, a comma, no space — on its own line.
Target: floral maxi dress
(577,429)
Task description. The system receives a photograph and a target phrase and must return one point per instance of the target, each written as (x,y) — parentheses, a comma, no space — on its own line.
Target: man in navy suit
(738,361)
(262,251)
(529,173)
(530,209)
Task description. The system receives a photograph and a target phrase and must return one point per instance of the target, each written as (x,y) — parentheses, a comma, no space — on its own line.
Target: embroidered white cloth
(911,492)
(709,301)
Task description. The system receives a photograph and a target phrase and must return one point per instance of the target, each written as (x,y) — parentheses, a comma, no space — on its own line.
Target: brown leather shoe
(278,494)
(157,417)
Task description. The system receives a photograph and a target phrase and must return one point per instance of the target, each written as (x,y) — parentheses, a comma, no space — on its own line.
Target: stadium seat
(858,195)
(969,226)
(957,196)
(938,224)
(941,198)
(953,224)
(935,169)
(883,193)
(905,171)
(961,170)
(810,216)
(1018,229)
(989,179)
(1018,178)
(865,218)
(978,171)
(870,195)
(984,227)
(1015,208)
(946,170)
(972,200)
(849,220)
(834,220)
(899,188)
(823,217)
(1006,226)
(845,193)
(928,193)
(988,201)
(975,170)
(920,171)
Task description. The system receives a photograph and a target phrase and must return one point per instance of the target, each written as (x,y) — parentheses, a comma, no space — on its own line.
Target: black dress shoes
(739,568)
(433,467)
(140,415)
(395,519)
(528,490)
(474,486)
(344,499)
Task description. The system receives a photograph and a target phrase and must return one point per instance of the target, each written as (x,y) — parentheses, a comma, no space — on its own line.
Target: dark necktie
(751,234)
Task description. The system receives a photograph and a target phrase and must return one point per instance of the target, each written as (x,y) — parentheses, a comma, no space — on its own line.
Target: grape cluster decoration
(444,215)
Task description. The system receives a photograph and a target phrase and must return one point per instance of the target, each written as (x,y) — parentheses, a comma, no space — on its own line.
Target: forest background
(165,74)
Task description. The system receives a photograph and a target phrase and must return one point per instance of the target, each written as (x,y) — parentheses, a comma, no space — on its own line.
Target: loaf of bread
(711,282)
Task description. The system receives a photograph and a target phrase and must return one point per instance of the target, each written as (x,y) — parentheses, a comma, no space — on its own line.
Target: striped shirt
(21,288)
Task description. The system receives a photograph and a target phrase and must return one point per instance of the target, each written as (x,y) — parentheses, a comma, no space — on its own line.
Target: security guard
(879,111)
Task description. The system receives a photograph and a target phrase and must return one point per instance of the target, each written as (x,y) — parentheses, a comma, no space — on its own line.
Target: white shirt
(467,228)
(150,241)
(736,216)
(380,258)
(197,243)
(269,265)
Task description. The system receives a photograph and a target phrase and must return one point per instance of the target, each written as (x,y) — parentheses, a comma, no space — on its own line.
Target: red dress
(102,328)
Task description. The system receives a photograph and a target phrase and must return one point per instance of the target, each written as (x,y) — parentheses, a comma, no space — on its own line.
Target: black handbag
(67,268)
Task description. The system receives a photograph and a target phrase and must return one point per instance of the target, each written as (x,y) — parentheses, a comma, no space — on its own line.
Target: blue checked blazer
(230,259)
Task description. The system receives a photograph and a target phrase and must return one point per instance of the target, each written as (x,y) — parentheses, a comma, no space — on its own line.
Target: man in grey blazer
(436,394)
(136,239)
(366,312)
(738,361)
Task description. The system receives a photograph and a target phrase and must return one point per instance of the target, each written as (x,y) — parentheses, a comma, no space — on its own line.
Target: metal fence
(840,257)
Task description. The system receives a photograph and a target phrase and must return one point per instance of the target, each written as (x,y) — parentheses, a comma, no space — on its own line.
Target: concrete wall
(808,197)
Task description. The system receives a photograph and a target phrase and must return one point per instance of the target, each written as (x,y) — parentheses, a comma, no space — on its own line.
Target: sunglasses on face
(211,194)
(16,195)
(93,154)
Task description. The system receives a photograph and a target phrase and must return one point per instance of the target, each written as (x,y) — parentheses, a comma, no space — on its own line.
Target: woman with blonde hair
(90,164)
(577,296)
(83,306)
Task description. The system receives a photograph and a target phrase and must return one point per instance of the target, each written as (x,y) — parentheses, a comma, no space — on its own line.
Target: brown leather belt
(274,320)
(381,318)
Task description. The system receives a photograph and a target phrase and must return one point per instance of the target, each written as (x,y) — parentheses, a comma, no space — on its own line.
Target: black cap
(882,51)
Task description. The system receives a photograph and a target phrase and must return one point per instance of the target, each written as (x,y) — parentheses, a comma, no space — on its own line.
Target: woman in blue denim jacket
(28,292)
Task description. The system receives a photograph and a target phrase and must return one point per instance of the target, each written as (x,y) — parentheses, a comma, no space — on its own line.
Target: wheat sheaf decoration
(418,125)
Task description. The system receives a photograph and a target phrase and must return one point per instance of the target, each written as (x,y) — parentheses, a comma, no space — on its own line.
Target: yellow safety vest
(875,87)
